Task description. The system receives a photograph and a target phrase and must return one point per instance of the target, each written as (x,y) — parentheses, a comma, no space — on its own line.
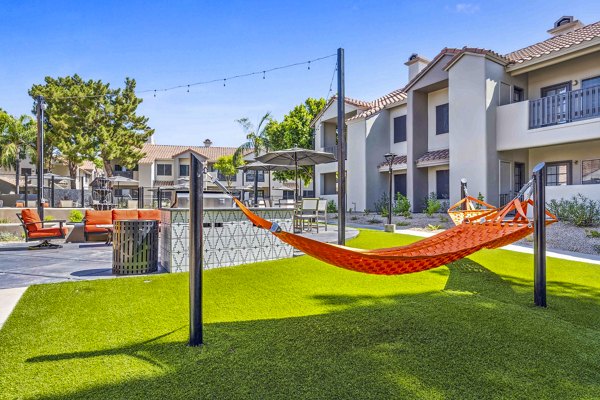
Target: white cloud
(466,8)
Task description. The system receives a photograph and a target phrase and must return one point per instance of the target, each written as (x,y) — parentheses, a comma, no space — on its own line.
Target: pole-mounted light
(41,106)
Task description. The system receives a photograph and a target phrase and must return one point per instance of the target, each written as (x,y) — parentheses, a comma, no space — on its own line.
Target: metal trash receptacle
(135,247)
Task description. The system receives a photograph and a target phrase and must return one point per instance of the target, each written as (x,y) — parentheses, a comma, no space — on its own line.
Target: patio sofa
(94,218)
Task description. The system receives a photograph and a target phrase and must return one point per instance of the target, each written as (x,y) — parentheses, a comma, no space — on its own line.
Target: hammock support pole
(463,191)
(341,150)
(196,249)
(539,235)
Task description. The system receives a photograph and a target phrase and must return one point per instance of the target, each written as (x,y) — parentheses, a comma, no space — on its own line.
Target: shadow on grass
(477,339)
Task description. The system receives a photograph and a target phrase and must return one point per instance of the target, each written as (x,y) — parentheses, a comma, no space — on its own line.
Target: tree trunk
(18,175)
(107,168)
(73,174)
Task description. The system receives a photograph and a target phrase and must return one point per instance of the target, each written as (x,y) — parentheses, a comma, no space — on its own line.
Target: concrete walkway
(8,300)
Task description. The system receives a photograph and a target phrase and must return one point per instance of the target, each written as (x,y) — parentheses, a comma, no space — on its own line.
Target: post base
(45,245)
(389,228)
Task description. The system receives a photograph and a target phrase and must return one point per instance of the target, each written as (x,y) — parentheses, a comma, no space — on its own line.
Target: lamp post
(389,157)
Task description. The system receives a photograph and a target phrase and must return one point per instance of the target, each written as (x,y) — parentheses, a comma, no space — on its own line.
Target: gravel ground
(560,236)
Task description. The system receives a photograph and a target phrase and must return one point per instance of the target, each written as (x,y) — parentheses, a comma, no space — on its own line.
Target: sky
(163,44)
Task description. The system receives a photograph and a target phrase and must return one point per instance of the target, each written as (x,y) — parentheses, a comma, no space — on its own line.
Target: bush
(8,237)
(593,234)
(402,206)
(382,203)
(580,210)
(331,207)
(75,216)
(49,218)
(480,198)
(4,221)
(432,204)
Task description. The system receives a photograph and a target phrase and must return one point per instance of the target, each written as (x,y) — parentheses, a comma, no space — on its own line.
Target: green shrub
(579,210)
(402,223)
(354,218)
(443,219)
(593,234)
(402,205)
(431,227)
(384,212)
(480,197)
(383,203)
(374,220)
(432,205)
(367,211)
(75,216)
(49,218)
(4,221)
(331,207)
(8,237)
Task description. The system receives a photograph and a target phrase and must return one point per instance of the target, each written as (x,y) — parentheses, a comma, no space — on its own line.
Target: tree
(17,138)
(121,132)
(257,141)
(70,119)
(295,131)
(227,166)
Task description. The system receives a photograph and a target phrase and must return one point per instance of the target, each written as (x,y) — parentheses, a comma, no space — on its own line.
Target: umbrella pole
(296,169)
(255,188)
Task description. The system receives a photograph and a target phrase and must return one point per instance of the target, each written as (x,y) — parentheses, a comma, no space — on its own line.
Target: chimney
(207,143)
(565,24)
(415,64)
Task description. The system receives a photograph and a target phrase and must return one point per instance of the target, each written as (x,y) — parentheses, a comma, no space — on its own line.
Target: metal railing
(565,107)
(334,150)
(124,174)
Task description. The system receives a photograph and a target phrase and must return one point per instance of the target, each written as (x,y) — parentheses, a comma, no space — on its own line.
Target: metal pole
(463,191)
(341,142)
(52,191)
(82,191)
(140,197)
(26,188)
(40,155)
(196,249)
(296,177)
(255,188)
(159,198)
(539,235)
(390,199)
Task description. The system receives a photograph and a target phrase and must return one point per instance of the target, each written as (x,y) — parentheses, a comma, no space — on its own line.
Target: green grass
(302,329)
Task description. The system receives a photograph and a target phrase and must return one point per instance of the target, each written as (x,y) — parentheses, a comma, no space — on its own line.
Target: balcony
(549,121)
(565,107)
(124,174)
(334,150)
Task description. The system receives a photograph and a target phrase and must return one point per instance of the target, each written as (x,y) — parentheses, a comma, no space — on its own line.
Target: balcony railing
(334,150)
(565,107)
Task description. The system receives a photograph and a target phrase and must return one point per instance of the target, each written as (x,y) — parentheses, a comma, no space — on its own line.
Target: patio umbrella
(260,166)
(296,156)
(121,179)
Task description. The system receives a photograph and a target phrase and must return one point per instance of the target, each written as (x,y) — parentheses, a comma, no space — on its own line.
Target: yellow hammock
(491,231)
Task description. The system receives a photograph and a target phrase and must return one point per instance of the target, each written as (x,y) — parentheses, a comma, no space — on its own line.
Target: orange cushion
(48,233)
(149,214)
(94,228)
(98,217)
(124,214)
(30,215)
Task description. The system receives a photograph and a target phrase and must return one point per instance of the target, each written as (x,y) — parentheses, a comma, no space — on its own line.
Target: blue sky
(162,44)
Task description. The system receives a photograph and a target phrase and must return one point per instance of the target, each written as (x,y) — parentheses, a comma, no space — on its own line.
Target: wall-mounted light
(575,82)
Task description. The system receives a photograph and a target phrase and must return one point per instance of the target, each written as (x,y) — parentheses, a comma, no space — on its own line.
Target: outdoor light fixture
(389,158)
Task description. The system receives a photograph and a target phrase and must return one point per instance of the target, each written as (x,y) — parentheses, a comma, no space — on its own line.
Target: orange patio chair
(35,230)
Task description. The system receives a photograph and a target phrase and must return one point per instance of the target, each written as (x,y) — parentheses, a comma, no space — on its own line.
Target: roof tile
(165,151)
(437,155)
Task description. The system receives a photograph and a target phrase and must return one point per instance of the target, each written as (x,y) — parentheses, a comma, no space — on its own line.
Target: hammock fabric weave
(491,231)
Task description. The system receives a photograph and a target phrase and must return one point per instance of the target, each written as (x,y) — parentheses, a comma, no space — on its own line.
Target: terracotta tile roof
(397,96)
(444,52)
(476,50)
(167,151)
(87,165)
(396,161)
(556,43)
(432,156)
(162,183)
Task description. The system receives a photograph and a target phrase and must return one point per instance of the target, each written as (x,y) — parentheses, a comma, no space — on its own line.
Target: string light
(188,89)
(224,82)
(331,83)
(263,74)
(155,93)
(309,65)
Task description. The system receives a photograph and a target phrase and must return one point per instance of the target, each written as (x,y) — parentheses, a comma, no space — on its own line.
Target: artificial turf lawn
(299,328)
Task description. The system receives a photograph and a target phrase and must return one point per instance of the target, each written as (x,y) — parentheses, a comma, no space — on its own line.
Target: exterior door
(400,184)
(519,177)
(505,183)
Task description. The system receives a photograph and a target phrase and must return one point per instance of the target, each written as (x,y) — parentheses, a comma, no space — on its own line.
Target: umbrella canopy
(260,166)
(296,156)
(121,179)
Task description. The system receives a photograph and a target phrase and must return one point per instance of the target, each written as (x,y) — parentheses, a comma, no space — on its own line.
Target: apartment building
(473,113)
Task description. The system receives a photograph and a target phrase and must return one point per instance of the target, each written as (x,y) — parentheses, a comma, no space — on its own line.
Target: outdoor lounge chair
(322,212)
(93,219)
(307,214)
(35,230)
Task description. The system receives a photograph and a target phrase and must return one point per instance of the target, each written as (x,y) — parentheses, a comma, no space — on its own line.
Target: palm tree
(17,138)
(257,141)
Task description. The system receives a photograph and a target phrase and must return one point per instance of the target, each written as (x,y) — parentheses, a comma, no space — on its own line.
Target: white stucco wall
(575,152)
(436,142)
(432,181)
(569,191)
(587,66)
(356,178)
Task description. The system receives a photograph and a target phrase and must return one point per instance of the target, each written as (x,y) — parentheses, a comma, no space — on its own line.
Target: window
(558,173)
(250,176)
(442,184)
(590,172)
(590,83)
(118,168)
(288,195)
(184,170)
(442,117)
(400,184)
(26,171)
(556,89)
(400,129)
(164,169)
(519,180)
(518,94)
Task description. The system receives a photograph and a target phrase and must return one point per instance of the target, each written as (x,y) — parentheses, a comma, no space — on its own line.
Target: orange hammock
(490,232)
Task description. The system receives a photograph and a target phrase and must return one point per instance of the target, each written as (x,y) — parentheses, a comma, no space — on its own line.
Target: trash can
(135,247)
